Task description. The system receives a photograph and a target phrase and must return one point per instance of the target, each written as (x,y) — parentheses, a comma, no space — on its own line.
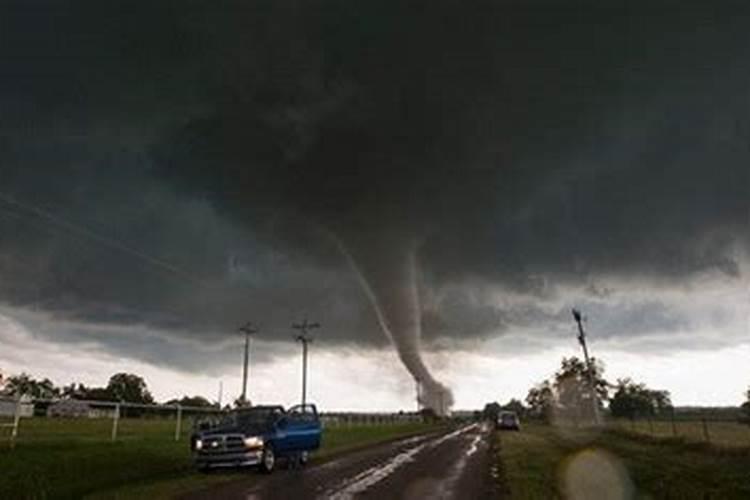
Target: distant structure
(72,408)
(25,407)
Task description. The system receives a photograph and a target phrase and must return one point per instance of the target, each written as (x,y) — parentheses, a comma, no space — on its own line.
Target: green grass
(73,458)
(542,462)
(730,434)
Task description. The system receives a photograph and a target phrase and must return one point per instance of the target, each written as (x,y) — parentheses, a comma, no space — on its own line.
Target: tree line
(568,395)
(122,387)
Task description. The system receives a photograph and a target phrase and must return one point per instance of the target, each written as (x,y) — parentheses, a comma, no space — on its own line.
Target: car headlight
(253,442)
(198,444)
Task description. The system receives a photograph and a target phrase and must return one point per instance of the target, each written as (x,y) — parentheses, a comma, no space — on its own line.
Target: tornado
(387,269)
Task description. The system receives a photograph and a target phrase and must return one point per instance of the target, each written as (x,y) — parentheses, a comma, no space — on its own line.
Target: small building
(73,408)
(69,408)
(8,408)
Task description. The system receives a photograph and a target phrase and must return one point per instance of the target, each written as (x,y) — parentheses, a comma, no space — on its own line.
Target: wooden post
(178,424)
(115,421)
(16,421)
(705,430)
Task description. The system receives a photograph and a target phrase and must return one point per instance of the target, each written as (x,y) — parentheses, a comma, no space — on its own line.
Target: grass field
(731,434)
(61,458)
(542,463)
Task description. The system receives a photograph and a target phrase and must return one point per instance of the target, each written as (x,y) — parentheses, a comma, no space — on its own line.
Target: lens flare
(594,474)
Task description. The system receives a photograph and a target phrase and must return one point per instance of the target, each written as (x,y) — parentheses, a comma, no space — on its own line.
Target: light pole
(582,340)
(248,330)
(304,337)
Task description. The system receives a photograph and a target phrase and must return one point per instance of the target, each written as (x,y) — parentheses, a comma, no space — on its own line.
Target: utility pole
(248,330)
(589,369)
(304,337)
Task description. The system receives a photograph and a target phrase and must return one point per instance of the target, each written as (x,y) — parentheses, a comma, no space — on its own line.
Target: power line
(16,207)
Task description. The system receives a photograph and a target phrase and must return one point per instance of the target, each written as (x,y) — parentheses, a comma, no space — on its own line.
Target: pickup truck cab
(258,436)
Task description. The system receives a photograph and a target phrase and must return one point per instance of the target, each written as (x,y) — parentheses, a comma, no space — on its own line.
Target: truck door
(303,427)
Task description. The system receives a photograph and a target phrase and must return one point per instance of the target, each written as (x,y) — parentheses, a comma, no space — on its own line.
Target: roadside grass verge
(542,463)
(72,458)
(722,433)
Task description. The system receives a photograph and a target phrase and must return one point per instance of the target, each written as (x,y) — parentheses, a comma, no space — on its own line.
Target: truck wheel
(304,457)
(268,460)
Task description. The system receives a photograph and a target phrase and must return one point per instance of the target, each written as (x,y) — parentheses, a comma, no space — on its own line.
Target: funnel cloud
(388,271)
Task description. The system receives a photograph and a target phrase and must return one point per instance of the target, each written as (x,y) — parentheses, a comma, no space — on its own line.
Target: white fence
(95,410)
(15,409)
(105,419)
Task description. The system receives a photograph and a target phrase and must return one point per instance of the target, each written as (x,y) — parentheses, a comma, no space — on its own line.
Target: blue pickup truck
(259,436)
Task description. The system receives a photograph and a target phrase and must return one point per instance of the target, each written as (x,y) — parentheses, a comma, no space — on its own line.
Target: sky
(436,185)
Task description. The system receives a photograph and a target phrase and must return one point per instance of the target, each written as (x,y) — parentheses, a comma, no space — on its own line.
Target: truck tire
(268,460)
(304,457)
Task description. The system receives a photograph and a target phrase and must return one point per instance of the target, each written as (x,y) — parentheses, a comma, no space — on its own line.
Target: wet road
(451,464)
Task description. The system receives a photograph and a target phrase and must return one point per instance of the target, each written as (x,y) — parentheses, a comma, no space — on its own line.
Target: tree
(573,389)
(569,393)
(746,405)
(491,411)
(129,388)
(194,401)
(98,394)
(24,384)
(631,400)
(515,406)
(572,381)
(540,400)
(428,415)
(75,391)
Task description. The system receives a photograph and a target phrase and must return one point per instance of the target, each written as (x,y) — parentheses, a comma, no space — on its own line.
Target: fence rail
(94,410)
(65,419)
(718,430)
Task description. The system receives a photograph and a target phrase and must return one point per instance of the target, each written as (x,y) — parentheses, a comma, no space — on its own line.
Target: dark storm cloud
(522,143)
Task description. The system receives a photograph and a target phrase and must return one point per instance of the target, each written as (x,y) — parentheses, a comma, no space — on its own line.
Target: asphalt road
(451,464)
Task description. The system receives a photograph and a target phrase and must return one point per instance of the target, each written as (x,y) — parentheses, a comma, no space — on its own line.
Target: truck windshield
(252,417)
